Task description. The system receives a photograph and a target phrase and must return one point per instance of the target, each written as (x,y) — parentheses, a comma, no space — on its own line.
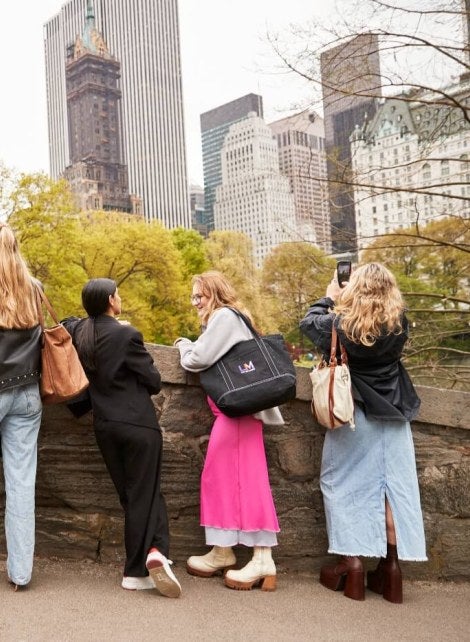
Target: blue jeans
(20,418)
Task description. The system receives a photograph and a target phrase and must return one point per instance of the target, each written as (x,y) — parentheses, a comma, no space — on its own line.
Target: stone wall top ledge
(444,407)
(438,406)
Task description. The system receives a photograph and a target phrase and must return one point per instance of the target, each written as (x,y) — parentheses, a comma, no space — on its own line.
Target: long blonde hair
(18,307)
(220,293)
(370,305)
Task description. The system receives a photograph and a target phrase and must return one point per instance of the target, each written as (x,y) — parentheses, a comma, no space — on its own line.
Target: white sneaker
(137,583)
(165,581)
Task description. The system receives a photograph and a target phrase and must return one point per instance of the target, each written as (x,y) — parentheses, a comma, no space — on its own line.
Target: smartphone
(343,271)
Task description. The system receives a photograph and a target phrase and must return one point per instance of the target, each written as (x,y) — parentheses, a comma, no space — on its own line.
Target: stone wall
(78,515)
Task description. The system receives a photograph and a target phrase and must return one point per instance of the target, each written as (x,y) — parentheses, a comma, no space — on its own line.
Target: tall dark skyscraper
(143,35)
(97,175)
(214,127)
(351,85)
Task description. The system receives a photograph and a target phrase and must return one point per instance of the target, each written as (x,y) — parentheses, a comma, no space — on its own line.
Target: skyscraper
(196,198)
(144,36)
(301,145)
(214,127)
(351,83)
(253,196)
(98,178)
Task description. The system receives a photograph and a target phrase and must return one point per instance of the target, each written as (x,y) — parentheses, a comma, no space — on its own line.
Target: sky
(224,54)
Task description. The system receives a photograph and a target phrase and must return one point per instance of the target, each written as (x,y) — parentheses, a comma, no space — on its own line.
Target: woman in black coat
(122,379)
(368,473)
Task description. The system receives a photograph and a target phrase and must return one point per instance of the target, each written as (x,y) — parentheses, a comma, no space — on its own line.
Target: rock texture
(78,514)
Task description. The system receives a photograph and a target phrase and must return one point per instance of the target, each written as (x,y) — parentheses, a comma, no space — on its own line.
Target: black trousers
(133,457)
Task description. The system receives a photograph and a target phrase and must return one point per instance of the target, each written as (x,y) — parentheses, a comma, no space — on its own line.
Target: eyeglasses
(196,298)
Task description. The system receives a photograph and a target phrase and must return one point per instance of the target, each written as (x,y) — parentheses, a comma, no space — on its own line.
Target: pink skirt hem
(235,489)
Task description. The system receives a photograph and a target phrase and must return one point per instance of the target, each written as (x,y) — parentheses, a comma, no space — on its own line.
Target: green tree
(432,265)
(42,214)
(232,254)
(293,276)
(64,248)
(190,245)
(143,260)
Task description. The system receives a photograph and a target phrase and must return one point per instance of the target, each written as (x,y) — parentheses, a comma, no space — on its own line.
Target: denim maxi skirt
(359,469)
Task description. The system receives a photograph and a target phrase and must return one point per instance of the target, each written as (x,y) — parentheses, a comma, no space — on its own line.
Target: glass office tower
(214,127)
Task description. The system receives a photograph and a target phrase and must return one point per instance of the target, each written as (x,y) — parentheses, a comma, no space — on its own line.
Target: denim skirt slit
(360,468)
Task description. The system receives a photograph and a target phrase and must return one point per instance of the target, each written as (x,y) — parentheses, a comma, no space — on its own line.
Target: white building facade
(302,158)
(411,164)
(254,197)
(144,36)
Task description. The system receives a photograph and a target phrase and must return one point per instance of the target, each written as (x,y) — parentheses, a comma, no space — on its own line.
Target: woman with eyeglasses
(237,506)
(122,378)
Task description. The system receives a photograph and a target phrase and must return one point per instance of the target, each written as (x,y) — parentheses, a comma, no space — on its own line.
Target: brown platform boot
(386,580)
(347,574)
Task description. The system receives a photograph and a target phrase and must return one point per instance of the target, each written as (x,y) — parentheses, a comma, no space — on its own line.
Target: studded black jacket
(20,356)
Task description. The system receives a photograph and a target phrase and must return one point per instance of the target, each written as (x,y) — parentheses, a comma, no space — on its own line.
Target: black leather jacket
(20,357)
(379,380)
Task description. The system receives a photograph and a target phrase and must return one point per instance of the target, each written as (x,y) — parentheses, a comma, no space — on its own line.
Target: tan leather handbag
(62,374)
(332,402)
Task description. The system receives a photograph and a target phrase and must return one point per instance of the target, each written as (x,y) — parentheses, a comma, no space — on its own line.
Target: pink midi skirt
(235,489)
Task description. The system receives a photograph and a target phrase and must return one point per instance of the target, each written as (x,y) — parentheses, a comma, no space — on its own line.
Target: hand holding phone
(343,272)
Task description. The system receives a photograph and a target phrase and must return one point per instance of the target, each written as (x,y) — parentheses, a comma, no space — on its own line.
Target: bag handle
(335,341)
(41,298)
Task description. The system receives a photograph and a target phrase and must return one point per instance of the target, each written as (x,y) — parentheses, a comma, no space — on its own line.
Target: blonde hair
(370,305)
(215,286)
(18,308)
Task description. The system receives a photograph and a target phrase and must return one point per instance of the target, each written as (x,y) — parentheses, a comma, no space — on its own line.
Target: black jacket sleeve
(139,361)
(317,324)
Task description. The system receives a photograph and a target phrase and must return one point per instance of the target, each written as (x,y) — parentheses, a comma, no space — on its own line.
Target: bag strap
(41,299)
(246,320)
(332,365)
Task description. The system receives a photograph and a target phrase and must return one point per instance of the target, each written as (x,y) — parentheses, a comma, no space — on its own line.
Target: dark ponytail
(95,300)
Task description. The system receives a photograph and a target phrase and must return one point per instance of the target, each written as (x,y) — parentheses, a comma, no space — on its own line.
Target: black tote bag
(253,375)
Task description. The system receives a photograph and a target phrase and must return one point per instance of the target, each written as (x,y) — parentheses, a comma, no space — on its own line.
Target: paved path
(81,602)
